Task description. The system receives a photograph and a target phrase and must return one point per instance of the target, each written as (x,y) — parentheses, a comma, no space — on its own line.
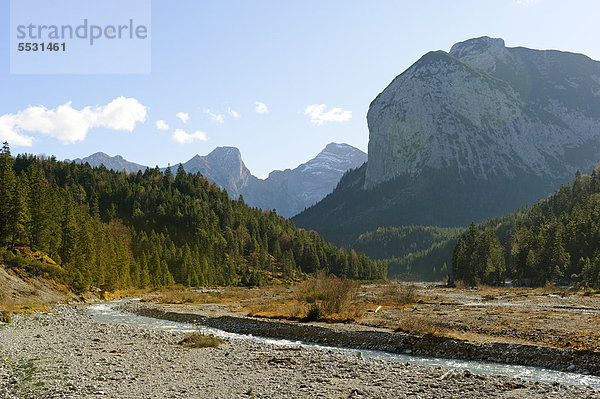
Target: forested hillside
(556,240)
(116,230)
(421,251)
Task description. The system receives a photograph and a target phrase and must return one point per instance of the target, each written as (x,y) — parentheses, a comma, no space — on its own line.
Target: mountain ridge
(288,191)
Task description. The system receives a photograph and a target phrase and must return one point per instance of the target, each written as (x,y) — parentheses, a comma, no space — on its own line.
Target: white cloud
(183,116)
(9,133)
(525,2)
(70,125)
(318,115)
(182,137)
(162,125)
(261,108)
(233,113)
(215,117)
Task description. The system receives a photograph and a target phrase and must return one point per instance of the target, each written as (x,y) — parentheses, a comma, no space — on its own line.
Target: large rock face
(467,135)
(223,166)
(485,109)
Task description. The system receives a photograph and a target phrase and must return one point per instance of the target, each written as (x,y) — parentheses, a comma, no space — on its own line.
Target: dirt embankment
(20,290)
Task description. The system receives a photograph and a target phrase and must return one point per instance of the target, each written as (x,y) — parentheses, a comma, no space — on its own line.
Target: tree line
(556,240)
(116,230)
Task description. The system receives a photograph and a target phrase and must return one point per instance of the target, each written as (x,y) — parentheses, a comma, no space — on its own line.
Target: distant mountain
(115,163)
(466,135)
(289,191)
(292,190)
(224,166)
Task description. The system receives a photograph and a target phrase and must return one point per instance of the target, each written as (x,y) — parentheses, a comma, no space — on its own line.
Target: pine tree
(68,234)
(7,189)
(20,218)
(39,227)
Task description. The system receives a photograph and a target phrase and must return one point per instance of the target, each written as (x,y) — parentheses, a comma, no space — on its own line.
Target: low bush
(328,293)
(199,340)
(315,312)
(400,293)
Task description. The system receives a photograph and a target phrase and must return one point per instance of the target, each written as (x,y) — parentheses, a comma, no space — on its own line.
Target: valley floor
(64,353)
(548,317)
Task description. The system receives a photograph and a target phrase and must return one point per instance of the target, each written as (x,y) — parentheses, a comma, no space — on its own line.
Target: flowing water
(107,313)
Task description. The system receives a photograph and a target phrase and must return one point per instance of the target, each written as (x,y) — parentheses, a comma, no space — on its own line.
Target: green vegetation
(114,230)
(431,264)
(478,257)
(387,242)
(557,240)
(423,251)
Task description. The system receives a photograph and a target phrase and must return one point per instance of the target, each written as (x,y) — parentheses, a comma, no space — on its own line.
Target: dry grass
(27,307)
(282,308)
(419,325)
(460,285)
(199,340)
(330,298)
(400,293)
(182,296)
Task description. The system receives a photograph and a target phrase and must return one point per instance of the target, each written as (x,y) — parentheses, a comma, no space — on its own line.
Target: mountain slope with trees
(115,230)
(557,240)
(420,251)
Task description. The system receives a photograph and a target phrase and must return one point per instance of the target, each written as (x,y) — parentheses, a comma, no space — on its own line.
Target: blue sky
(315,65)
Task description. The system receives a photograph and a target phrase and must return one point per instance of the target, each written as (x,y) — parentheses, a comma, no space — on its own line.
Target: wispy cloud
(68,124)
(183,116)
(233,113)
(525,2)
(162,125)
(182,137)
(261,108)
(214,117)
(318,115)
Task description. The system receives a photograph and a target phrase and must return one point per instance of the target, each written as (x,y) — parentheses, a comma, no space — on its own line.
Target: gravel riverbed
(65,354)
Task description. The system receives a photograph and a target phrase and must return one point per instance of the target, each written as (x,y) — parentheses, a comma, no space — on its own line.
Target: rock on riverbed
(65,354)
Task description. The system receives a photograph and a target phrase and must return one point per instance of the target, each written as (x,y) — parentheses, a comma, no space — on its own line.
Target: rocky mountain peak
(338,148)
(476,45)
(482,53)
(485,109)
(225,153)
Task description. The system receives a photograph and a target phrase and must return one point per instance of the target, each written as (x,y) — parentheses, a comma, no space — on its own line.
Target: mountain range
(468,134)
(288,191)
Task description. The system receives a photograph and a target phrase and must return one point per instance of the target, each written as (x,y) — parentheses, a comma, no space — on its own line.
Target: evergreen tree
(7,189)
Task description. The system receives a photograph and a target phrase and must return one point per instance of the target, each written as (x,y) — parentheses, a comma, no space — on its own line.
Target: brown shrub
(199,340)
(332,294)
(400,293)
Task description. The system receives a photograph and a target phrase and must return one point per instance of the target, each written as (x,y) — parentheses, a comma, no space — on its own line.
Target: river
(107,312)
